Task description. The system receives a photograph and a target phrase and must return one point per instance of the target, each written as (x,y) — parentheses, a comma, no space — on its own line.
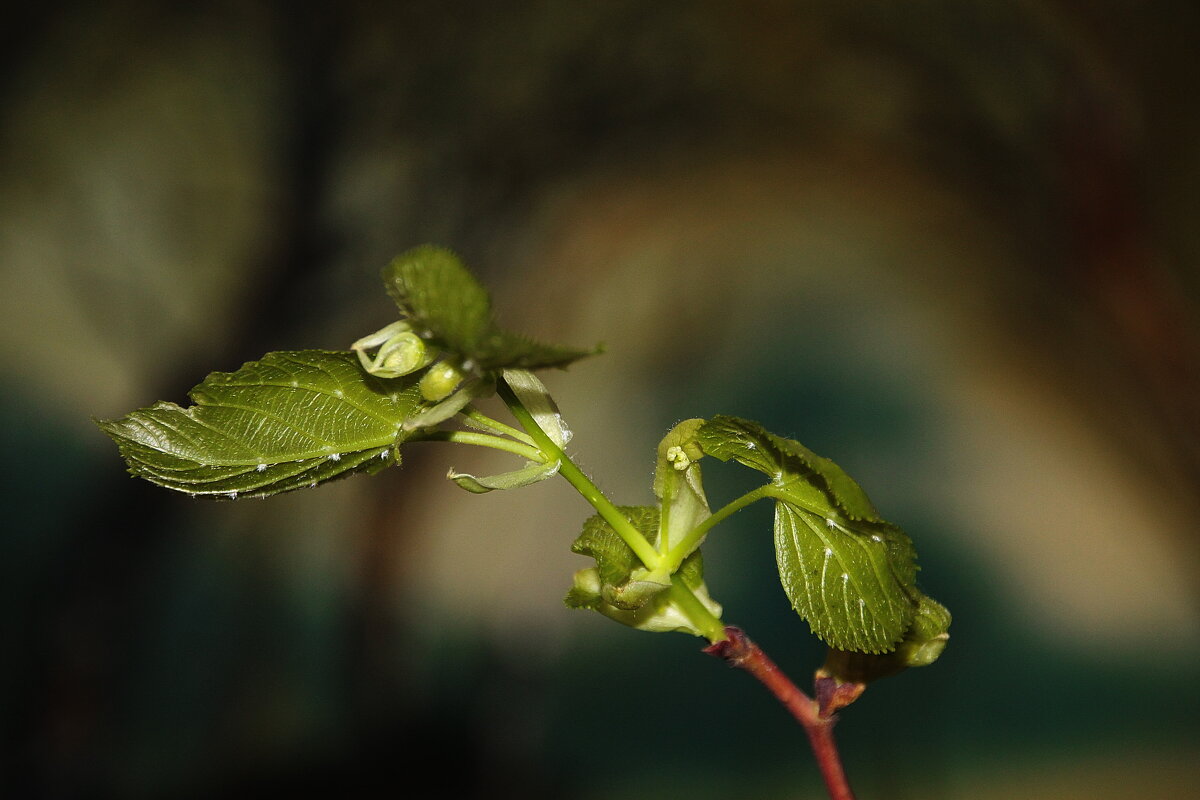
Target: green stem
(611,514)
(726,642)
(484,440)
(675,556)
(683,548)
(478,419)
(704,621)
(687,602)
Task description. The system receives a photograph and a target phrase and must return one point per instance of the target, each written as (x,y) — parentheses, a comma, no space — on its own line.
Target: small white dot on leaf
(261,467)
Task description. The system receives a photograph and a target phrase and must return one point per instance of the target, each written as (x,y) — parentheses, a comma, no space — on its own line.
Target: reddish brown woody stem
(740,651)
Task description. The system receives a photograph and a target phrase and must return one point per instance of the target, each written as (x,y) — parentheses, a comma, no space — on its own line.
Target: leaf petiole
(477,419)
(683,548)
(484,440)
(675,556)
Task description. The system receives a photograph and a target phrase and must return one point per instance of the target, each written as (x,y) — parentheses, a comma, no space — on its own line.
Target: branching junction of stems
(728,643)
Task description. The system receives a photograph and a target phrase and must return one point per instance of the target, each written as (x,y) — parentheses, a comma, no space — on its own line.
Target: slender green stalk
(478,419)
(683,548)
(709,625)
(483,440)
(712,628)
(611,514)
(675,556)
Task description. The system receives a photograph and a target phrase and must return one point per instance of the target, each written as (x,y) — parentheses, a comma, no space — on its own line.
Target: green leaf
(848,572)
(445,303)
(749,443)
(289,421)
(614,558)
(842,579)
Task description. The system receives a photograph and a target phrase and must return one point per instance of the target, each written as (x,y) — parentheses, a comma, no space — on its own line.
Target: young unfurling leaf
(288,421)
(848,572)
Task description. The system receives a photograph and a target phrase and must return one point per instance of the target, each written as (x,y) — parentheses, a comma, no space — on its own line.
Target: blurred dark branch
(311,40)
(1149,325)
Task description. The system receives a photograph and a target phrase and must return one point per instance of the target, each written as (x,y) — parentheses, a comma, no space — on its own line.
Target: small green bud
(927,636)
(924,641)
(440,381)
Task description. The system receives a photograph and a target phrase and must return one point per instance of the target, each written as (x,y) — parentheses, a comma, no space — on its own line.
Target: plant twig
(571,472)
(738,650)
(729,642)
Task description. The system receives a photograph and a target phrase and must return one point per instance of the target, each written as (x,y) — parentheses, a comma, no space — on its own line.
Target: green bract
(679,485)
(848,572)
(624,588)
(286,422)
(619,586)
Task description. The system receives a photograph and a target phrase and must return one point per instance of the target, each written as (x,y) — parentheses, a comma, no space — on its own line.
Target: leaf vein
(270,415)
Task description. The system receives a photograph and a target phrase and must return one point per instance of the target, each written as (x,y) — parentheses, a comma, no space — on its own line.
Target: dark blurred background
(952,245)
